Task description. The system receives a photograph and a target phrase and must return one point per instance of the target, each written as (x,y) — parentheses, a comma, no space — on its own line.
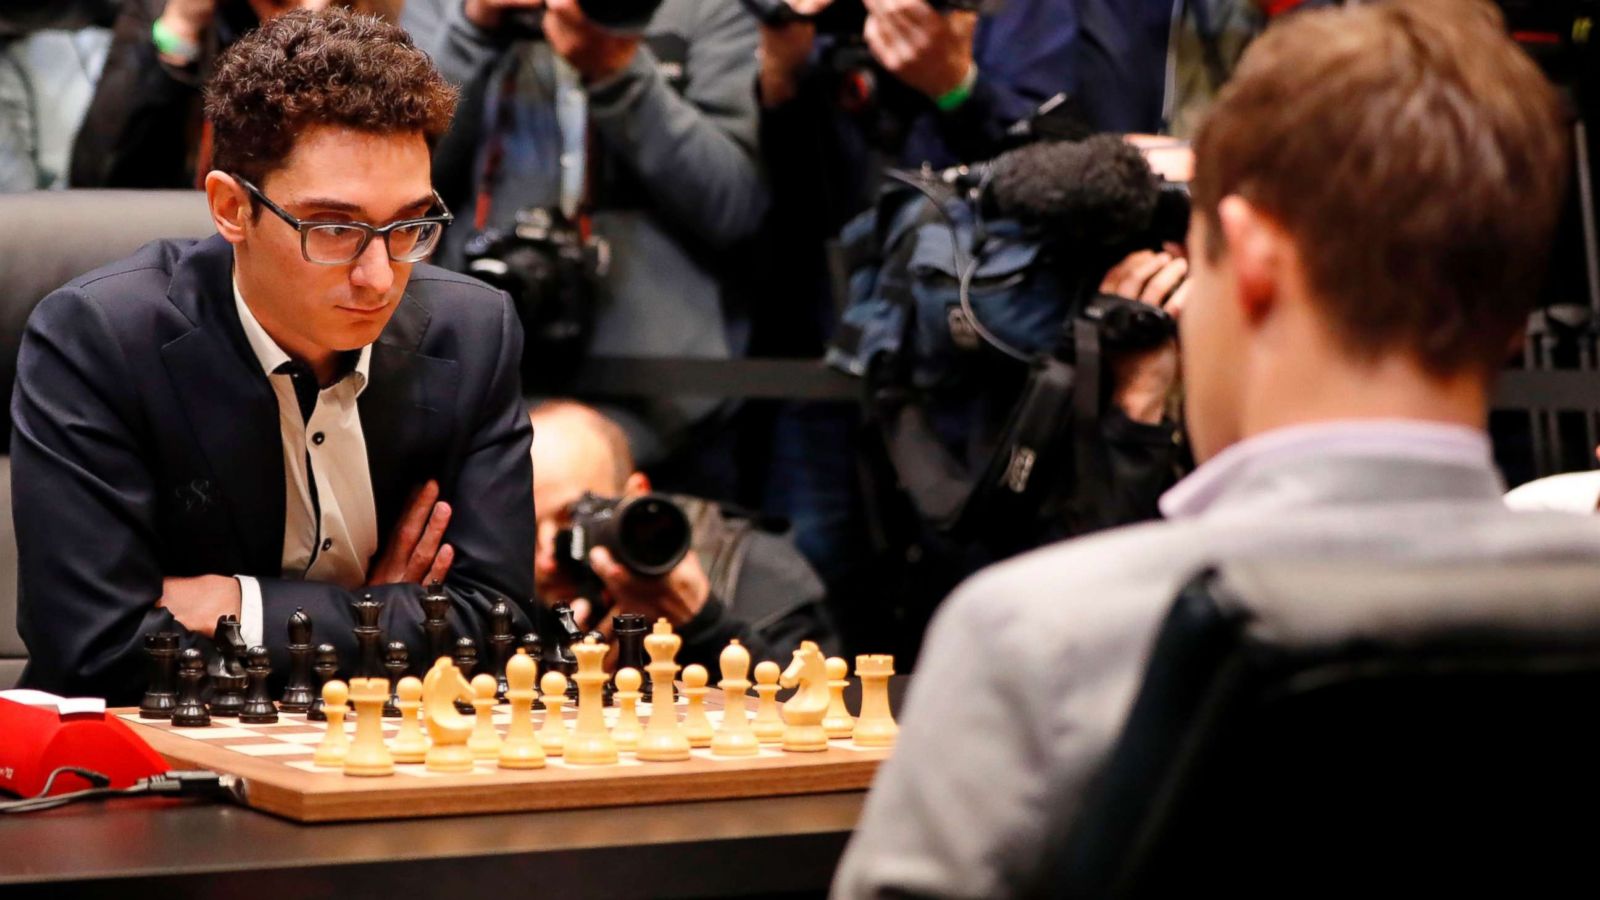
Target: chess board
(274,762)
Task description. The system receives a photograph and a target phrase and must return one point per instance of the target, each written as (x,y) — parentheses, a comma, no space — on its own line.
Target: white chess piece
(485,740)
(876,727)
(696,724)
(627,731)
(838,722)
(735,738)
(768,725)
(410,744)
(663,740)
(368,755)
(590,743)
(553,734)
(335,743)
(447,727)
(520,749)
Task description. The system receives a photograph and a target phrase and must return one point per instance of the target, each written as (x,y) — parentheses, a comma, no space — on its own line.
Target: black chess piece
(467,661)
(531,643)
(227,675)
(630,630)
(501,641)
(326,669)
(396,661)
(160,696)
(190,711)
(369,636)
(436,624)
(258,707)
(297,693)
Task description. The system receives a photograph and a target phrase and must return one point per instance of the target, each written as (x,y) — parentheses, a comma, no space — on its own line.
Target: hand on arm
(416,552)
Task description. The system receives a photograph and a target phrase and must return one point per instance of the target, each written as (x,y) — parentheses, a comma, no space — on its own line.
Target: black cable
(180,783)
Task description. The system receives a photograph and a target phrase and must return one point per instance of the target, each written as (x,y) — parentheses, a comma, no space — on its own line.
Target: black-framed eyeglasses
(338,243)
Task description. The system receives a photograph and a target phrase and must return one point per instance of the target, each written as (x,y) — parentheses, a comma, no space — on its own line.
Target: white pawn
(410,745)
(696,724)
(553,734)
(735,738)
(625,734)
(521,749)
(768,726)
(335,743)
(485,741)
(838,722)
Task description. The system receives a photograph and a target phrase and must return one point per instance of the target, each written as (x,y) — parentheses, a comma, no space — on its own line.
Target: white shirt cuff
(250,626)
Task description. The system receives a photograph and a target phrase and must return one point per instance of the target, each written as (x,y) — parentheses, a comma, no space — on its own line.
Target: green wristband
(168,43)
(952,99)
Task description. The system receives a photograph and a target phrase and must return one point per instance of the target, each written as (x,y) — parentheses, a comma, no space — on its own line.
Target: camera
(842,17)
(649,535)
(552,271)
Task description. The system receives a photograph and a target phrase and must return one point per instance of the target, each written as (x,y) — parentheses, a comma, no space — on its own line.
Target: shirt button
(318,438)
(327,544)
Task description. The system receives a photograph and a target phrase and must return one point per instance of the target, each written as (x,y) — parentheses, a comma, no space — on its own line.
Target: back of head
(332,67)
(1416,157)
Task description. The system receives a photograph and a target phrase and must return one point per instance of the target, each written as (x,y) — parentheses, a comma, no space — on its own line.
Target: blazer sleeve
(489,486)
(84,506)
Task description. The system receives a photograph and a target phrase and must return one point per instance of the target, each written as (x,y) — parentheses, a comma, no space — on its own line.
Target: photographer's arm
(694,153)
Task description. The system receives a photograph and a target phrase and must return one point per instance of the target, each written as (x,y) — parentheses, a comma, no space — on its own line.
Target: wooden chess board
(275,763)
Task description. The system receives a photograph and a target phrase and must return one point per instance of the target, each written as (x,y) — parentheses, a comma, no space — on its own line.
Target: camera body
(649,535)
(552,271)
(628,17)
(844,17)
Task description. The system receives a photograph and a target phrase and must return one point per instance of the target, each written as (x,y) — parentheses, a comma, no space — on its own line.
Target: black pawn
(326,667)
(630,630)
(396,660)
(501,642)
(190,711)
(160,697)
(535,648)
(467,661)
(369,636)
(228,678)
(435,623)
(258,708)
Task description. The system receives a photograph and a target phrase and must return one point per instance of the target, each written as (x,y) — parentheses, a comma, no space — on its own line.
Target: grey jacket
(677,183)
(1032,666)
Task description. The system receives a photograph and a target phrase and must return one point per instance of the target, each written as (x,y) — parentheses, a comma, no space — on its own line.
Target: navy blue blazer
(145,444)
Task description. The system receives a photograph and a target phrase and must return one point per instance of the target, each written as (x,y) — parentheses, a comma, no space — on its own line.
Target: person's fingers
(1176,302)
(809,7)
(415,519)
(1164,282)
(582,609)
(1120,271)
(441,565)
(1133,282)
(615,575)
(428,543)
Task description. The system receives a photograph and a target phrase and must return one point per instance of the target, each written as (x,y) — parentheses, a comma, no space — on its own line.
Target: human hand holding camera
(595,52)
(1142,381)
(785,47)
(927,50)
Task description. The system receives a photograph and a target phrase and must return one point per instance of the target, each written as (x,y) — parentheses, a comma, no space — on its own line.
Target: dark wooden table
(788,846)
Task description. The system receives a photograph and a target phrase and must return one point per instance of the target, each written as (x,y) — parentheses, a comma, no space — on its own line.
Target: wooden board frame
(278,788)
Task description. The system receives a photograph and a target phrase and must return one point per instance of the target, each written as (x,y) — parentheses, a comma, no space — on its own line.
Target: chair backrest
(12,653)
(1310,728)
(48,238)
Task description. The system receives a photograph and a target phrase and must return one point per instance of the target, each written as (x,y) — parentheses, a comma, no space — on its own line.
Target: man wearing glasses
(287,415)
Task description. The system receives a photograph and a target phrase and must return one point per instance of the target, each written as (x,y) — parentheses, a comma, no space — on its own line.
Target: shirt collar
(270,356)
(1434,442)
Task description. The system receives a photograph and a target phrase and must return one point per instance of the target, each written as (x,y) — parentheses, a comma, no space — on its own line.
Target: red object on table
(37,740)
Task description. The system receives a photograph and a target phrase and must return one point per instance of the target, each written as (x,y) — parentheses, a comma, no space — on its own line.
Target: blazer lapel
(404,412)
(232,411)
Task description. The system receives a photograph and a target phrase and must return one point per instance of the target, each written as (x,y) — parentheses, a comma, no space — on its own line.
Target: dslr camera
(552,271)
(649,535)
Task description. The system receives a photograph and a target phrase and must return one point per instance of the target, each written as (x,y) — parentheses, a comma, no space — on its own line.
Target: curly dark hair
(333,67)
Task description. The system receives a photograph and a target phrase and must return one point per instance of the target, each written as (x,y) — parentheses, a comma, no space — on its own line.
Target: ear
(637,485)
(1257,250)
(230,206)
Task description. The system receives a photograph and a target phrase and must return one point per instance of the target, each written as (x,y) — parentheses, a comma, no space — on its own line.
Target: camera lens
(620,15)
(653,535)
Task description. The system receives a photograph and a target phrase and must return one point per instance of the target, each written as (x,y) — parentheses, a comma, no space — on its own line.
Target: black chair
(1344,730)
(47,239)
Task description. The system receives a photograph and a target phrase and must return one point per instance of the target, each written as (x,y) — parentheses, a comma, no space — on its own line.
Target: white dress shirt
(330,534)
(1574,492)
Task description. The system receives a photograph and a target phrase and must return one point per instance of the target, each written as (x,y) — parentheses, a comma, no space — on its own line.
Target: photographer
(145,127)
(738,580)
(650,138)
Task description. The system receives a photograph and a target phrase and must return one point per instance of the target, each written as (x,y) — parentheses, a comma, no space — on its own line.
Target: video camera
(648,535)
